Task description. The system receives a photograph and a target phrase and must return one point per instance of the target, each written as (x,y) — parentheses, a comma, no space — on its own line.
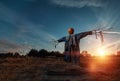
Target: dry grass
(33,69)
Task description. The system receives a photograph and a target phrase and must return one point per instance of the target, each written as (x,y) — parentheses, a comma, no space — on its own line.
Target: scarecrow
(72,49)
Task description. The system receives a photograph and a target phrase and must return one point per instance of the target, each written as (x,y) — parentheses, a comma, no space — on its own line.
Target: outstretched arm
(83,34)
(63,39)
(55,42)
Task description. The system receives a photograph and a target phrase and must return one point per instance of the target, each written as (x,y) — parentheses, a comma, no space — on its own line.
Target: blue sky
(26,24)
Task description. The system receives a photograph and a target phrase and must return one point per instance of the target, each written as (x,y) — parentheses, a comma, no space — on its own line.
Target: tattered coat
(72,50)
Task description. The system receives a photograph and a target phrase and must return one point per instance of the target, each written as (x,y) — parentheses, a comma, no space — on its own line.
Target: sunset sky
(27,24)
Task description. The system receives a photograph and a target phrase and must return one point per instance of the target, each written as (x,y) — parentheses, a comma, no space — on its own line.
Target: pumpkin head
(70,30)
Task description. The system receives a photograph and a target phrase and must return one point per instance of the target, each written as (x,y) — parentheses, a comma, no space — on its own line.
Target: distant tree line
(44,53)
(10,54)
(34,53)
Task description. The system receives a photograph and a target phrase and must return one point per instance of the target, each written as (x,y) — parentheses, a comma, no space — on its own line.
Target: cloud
(29,33)
(79,3)
(8,46)
(108,17)
(13,47)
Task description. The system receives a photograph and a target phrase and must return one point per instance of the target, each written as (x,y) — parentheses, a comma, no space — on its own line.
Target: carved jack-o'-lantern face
(70,30)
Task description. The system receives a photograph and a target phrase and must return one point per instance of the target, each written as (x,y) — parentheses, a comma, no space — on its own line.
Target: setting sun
(101,52)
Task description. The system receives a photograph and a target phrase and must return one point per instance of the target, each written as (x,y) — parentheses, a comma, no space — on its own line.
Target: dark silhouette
(44,53)
(16,54)
(85,53)
(72,49)
(33,52)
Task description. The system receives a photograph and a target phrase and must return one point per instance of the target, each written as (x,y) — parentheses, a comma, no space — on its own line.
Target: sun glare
(101,52)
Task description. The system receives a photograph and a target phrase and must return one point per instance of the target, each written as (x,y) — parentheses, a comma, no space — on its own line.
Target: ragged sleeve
(83,34)
(63,39)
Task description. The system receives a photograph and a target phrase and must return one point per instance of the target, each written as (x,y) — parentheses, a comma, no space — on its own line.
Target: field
(35,69)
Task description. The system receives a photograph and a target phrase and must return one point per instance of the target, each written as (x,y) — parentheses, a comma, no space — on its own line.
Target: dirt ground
(55,69)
